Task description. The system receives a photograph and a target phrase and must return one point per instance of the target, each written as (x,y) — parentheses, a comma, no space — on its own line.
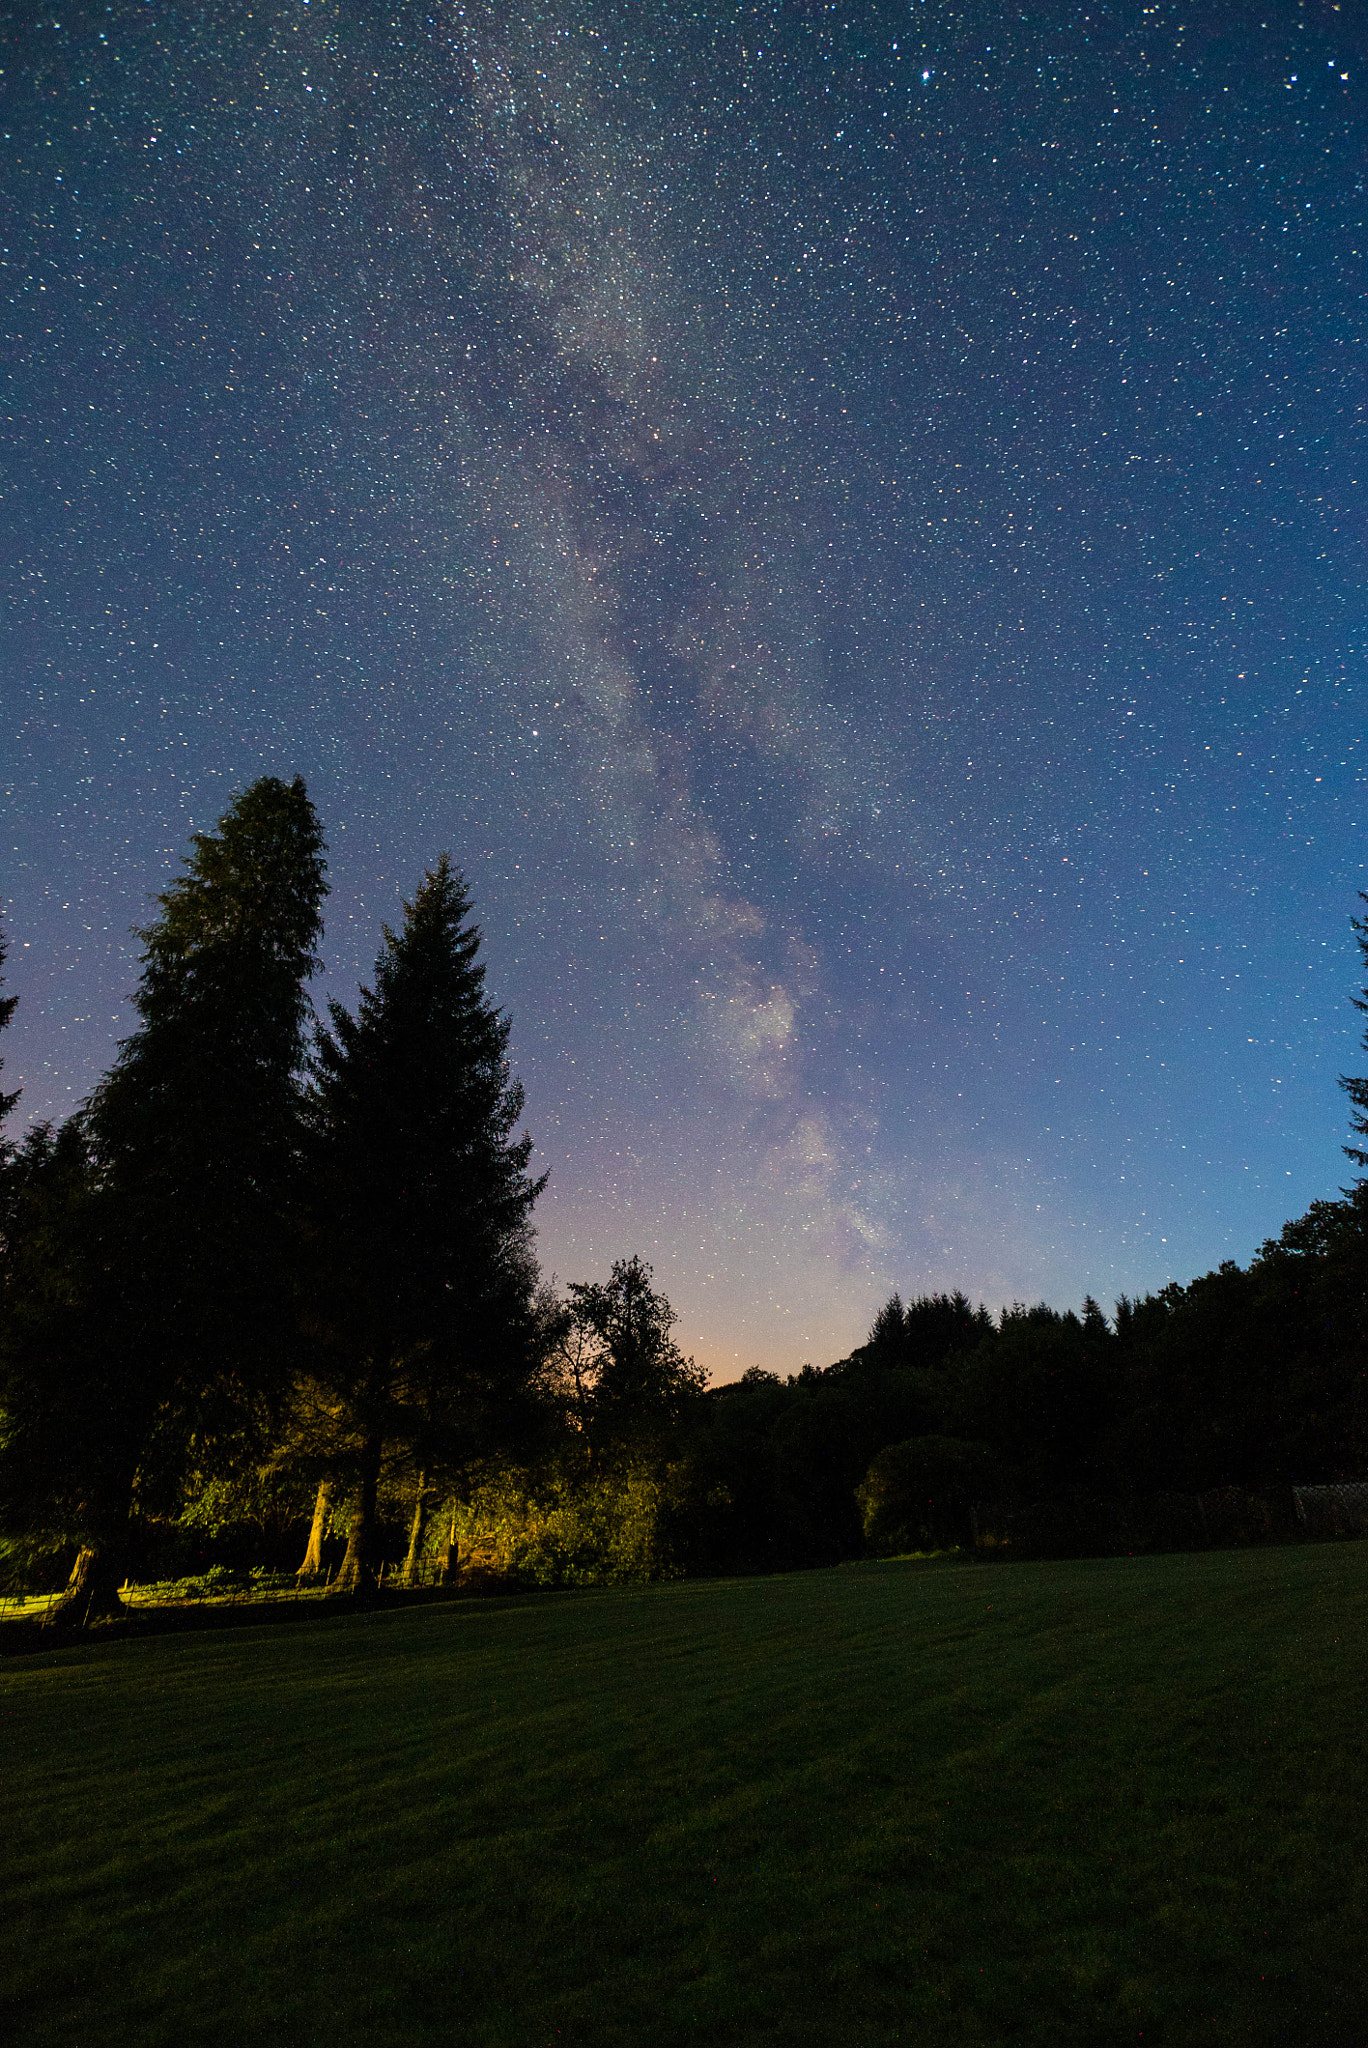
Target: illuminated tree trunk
(360,1565)
(92,1591)
(417,1532)
(313,1556)
(452,1552)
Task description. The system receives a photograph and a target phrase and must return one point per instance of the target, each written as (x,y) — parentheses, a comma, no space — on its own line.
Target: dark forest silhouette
(270,1295)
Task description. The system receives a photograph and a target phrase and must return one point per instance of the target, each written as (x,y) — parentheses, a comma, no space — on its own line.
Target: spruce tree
(422,1281)
(163,1299)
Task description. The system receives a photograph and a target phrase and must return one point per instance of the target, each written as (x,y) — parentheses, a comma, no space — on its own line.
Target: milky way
(845,521)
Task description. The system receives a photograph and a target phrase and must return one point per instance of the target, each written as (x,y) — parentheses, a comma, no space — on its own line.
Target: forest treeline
(270,1298)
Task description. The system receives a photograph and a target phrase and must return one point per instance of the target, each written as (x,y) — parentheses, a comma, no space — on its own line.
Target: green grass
(1097,1802)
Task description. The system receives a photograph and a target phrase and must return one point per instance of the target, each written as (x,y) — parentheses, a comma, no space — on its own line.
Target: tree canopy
(626,1373)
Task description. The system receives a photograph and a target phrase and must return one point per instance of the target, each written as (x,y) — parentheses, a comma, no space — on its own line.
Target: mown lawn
(1120,1800)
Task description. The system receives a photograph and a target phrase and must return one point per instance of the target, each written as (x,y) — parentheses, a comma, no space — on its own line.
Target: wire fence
(1333,1510)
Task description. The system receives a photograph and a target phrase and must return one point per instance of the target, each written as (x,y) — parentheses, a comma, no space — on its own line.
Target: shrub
(919,1495)
(565,1527)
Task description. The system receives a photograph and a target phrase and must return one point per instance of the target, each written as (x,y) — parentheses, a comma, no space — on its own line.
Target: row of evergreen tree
(275,1282)
(260,1245)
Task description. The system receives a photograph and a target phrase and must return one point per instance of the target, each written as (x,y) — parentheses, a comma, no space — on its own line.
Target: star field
(845,522)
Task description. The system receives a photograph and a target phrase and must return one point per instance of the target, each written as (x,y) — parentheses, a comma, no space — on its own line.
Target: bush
(919,1495)
(566,1527)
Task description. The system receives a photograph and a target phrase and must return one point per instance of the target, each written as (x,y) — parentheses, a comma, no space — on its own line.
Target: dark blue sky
(847,523)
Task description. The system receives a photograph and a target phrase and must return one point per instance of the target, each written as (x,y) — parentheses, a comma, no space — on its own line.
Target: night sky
(847,521)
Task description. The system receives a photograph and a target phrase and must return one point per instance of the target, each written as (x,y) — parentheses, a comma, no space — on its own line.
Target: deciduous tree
(629,1375)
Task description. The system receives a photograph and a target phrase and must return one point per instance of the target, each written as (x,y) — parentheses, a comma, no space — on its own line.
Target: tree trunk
(451,1555)
(417,1532)
(359,1566)
(313,1556)
(92,1591)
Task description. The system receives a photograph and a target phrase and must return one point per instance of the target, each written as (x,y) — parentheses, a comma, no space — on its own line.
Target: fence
(1333,1510)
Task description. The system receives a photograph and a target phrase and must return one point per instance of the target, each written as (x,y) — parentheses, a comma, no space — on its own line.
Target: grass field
(1120,1800)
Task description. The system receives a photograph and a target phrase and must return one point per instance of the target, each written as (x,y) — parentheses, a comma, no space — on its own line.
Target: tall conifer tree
(173,1289)
(422,1280)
